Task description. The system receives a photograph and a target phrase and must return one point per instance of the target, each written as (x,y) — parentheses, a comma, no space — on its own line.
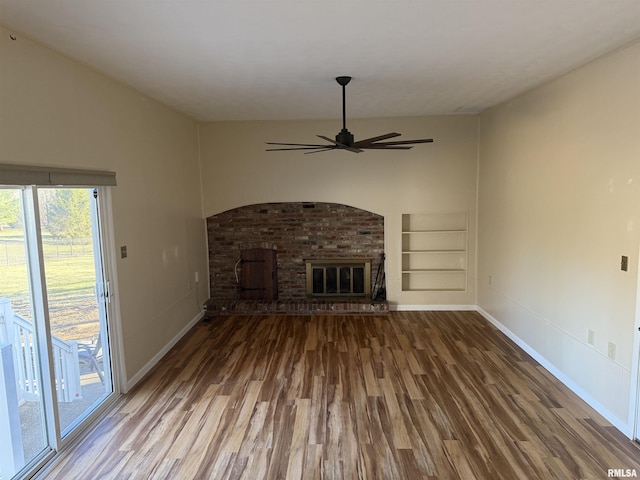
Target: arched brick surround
(298,231)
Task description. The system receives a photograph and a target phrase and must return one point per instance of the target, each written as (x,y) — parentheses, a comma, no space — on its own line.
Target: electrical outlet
(624,263)
(591,337)
(197,277)
(123,251)
(612,351)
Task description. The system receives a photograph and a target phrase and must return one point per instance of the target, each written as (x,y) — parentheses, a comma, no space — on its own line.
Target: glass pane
(332,280)
(22,426)
(358,280)
(73,272)
(318,281)
(345,280)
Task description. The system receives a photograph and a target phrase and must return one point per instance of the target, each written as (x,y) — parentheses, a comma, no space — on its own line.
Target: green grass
(70,282)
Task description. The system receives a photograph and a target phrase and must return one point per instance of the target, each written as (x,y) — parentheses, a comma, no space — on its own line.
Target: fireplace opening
(338,277)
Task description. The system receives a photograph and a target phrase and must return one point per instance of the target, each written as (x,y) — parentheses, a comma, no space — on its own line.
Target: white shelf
(409,252)
(427,270)
(434,221)
(434,251)
(411,232)
(435,289)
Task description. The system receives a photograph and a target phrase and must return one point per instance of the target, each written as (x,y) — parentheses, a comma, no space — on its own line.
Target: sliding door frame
(107,247)
(38,291)
(57,443)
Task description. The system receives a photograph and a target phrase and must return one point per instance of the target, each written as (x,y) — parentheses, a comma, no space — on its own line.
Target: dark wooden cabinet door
(258,279)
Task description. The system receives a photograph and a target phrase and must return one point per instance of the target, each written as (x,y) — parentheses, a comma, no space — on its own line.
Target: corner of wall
(198,125)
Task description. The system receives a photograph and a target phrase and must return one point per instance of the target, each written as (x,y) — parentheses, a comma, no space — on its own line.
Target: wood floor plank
(245,412)
(368,367)
(456,455)
(299,439)
(406,374)
(399,434)
(425,395)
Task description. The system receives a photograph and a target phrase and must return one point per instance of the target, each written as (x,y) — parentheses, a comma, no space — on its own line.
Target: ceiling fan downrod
(345,137)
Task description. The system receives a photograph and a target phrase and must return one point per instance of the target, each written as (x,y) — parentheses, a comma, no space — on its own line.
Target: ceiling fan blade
(315,147)
(340,145)
(406,142)
(325,149)
(296,144)
(360,143)
(385,147)
(331,140)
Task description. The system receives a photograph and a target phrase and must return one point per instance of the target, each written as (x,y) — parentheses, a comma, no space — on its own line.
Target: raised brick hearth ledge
(297,307)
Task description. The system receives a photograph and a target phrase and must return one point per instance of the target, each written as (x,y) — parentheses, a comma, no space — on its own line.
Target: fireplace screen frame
(344,266)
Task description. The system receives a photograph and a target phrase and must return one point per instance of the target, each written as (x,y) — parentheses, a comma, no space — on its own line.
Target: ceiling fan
(345,140)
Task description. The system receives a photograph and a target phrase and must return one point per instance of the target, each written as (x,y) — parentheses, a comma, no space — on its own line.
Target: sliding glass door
(76,297)
(54,331)
(23,432)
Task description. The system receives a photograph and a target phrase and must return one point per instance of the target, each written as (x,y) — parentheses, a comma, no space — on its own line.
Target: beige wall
(236,171)
(559,203)
(54,111)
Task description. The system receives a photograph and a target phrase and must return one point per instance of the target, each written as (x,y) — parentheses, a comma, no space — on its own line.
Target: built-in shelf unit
(435,251)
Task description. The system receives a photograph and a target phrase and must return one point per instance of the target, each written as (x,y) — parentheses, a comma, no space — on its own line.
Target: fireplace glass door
(346,278)
(343,280)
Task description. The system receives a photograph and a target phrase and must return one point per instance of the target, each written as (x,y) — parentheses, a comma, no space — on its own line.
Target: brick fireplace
(297,232)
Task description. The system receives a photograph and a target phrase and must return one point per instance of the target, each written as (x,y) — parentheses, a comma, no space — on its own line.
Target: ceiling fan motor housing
(345,137)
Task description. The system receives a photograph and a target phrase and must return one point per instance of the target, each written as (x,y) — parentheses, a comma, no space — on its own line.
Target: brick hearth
(299,307)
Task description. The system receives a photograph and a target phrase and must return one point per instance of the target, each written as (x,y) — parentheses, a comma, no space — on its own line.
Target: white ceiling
(277,59)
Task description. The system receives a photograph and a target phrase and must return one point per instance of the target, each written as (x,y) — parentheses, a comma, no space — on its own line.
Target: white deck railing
(20,333)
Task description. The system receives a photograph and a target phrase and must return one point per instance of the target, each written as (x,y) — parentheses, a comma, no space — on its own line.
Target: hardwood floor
(407,395)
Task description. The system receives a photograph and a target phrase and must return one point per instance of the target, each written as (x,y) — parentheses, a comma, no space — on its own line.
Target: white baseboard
(570,384)
(158,356)
(407,308)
